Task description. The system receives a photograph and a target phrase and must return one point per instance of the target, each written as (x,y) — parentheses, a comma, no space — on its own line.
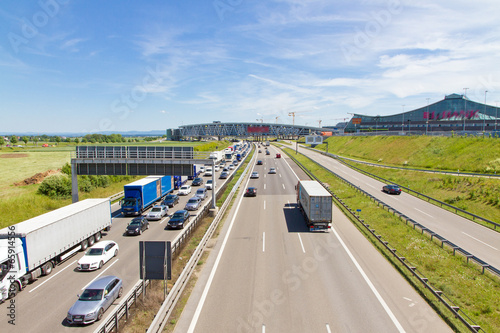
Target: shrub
(56,187)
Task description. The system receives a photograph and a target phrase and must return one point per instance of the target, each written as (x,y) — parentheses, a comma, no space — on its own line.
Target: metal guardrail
(112,323)
(116,196)
(457,312)
(168,305)
(409,190)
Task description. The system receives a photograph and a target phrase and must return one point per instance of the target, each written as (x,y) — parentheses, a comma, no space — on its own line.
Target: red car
(278,155)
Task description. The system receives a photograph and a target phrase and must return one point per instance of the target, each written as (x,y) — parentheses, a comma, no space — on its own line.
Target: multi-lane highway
(482,242)
(267,273)
(42,306)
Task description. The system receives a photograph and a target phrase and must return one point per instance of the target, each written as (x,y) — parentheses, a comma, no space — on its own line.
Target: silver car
(157,212)
(193,203)
(96,299)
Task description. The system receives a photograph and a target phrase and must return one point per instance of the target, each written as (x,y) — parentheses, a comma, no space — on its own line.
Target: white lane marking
(301,244)
(264,204)
(328,328)
(263,328)
(53,276)
(424,212)
(264,186)
(370,284)
(280,175)
(355,177)
(197,313)
(371,186)
(291,169)
(114,262)
(263,241)
(283,186)
(494,248)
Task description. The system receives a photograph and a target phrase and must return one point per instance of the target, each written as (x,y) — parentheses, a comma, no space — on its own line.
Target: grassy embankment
(476,195)
(19,203)
(476,294)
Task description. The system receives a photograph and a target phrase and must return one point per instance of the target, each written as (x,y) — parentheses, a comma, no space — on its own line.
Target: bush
(56,187)
(85,184)
(66,169)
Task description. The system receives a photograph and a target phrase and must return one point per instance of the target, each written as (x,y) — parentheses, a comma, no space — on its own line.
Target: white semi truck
(32,248)
(315,203)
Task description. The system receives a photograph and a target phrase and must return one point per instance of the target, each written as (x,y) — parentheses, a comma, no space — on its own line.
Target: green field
(18,203)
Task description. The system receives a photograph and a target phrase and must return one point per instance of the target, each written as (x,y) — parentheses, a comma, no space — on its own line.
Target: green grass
(480,196)
(476,294)
(468,154)
(19,203)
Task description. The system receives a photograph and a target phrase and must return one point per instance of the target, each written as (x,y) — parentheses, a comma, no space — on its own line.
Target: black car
(251,192)
(137,226)
(197,182)
(391,189)
(259,162)
(178,219)
(170,200)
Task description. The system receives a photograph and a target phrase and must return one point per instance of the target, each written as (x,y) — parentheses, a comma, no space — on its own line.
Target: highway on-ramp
(479,240)
(268,273)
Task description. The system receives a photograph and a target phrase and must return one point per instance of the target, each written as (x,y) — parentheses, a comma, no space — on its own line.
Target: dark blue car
(178,219)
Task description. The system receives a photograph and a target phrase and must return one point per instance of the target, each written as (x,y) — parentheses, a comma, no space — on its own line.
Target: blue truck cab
(141,194)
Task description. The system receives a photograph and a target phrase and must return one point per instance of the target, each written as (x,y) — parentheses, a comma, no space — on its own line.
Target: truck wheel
(99,314)
(84,244)
(98,236)
(47,268)
(91,240)
(14,289)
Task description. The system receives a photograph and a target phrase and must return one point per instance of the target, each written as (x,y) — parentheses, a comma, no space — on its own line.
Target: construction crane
(276,119)
(293,113)
(319,123)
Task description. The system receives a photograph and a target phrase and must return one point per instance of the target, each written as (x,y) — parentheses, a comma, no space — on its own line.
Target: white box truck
(315,203)
(32,248)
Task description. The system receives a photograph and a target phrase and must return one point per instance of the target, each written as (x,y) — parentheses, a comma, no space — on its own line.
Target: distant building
(453,113)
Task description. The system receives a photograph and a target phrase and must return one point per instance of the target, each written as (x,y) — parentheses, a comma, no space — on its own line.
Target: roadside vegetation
(26,168)
(467,154)
(477,195)
(478,295)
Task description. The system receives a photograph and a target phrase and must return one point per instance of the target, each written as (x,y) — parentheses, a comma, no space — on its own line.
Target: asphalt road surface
(268,273)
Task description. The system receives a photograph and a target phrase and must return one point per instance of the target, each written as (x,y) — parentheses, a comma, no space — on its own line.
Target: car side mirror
(77,296)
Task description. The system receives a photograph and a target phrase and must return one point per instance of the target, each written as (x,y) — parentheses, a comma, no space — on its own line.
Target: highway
(482,242)
(268,273)
(42,306)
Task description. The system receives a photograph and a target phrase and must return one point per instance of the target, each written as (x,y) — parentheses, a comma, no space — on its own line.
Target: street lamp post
(484,115)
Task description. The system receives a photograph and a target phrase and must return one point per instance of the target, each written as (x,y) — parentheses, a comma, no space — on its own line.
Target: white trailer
(32,248)
(315,203)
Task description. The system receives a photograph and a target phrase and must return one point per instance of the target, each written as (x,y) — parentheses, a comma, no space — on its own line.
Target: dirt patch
(38,178)
(13,155)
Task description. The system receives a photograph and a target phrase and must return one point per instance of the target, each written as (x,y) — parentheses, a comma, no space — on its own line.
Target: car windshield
(184,188)
(128,202)
(393,186)
(192,201)
(155,209)
(135,223)
(199,192)
(170,197)
(178,215)
(91,295)
(94,252)
(209,181)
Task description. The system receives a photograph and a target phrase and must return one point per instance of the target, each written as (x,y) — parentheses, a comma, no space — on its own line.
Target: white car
(97,255)
(209,184)
(208,172)
(157,212)
(272,170)
(231,167)
(255,174)
(184,190)
(202,169)
(216,167)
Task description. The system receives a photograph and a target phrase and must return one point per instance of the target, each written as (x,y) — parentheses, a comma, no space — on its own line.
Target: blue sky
(89,66)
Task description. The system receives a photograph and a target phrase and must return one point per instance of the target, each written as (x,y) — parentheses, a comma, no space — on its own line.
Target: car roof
(181,211)
(158,206)
(102,282)
(102,243)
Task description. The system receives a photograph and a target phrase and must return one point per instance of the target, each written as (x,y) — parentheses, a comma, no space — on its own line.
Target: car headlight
(69,316)
(91,314)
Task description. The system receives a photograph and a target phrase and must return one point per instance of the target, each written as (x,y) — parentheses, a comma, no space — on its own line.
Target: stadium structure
(454,113)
